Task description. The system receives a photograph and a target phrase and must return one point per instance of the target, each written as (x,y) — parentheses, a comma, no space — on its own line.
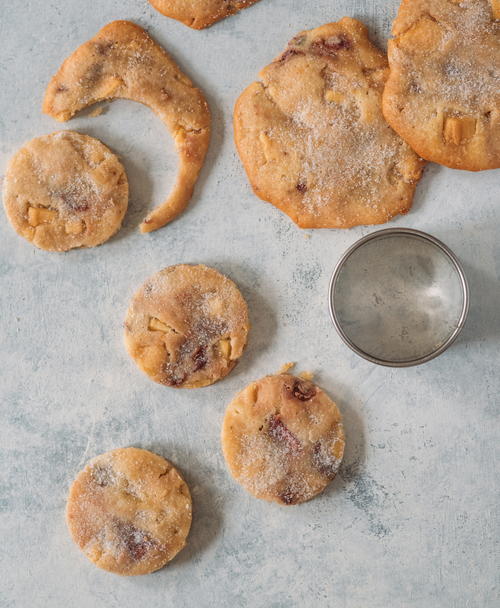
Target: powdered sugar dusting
(460,70)
(268,469)
(357,160)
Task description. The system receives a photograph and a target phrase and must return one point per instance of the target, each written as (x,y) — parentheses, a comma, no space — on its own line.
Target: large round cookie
(443,91)
(129,511)
(312,137)
(199,14)
(65,190)
(283,439)
(187,326)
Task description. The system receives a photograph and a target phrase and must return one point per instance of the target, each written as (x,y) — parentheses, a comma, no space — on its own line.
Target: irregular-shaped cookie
(187,326)
(65,190)
(199,14)
(122,61)
(312,137)
(443,91)
(129,511)
(283,439)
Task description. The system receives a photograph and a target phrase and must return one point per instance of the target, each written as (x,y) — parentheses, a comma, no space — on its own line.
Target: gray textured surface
(411,519)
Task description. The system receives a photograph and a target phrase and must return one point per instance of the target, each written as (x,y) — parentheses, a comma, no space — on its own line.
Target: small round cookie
(129,511)
(187,326)
(283,439)
(312,137)
(65,190)
(199,14)
(443,91)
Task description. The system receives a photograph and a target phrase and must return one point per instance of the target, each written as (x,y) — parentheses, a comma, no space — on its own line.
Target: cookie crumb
(286,367)
(96,112)
(306,375)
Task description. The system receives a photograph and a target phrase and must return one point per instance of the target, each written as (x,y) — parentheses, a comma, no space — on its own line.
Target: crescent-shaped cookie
(199,14)
(123,61)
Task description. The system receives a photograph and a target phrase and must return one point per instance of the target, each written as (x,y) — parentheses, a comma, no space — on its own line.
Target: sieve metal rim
(399,232)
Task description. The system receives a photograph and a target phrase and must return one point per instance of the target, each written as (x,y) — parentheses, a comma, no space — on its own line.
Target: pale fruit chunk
(495,9)
(334,96)
(157,325)
(40,215)
(423,36)
(270,149)
(110,86)
(74,227)
(459,129)
(225,348)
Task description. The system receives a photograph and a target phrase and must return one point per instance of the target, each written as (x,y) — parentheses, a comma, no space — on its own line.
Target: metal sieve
(398,297)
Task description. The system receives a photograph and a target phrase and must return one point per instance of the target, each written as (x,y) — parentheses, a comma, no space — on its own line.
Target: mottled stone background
(411,521)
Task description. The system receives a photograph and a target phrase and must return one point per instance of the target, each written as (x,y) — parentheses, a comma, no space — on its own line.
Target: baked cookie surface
(199,14)
(312,137)
(283,439)
(129,511)
(443,91)
(123,61)
(65,190)
(187,326)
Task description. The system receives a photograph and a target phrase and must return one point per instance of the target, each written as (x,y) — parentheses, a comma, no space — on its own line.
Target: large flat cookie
(187,326)
(65,190)
(129,511)
(312,137)
(443,91)
(283,439)
(199,14)
(122,61)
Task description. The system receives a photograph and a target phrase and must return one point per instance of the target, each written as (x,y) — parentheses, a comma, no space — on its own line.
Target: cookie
(312,137)
(65,190)
(187,326)
(122,61)
(283,439)
(199,14)
(443,91)
(129,511)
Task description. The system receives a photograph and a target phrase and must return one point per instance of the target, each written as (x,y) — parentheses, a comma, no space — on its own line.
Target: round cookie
(65,190)
(187,326)
(312,137)
(199,14)
(129,511)
(283,439)
(443,91)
